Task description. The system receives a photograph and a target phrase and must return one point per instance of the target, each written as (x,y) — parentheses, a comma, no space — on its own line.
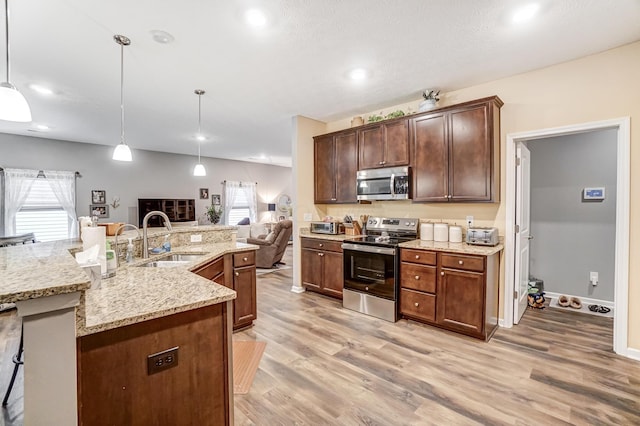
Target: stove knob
(406,223)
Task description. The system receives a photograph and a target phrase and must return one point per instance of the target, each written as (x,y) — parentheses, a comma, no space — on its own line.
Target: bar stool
(17,360)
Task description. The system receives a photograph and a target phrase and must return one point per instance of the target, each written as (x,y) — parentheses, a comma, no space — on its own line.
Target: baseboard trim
(585,300)
(297,289)
(501,323)
(633,354)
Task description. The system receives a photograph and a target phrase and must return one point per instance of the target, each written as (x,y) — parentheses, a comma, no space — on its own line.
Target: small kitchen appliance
(389,183)
(482,236)
(371,266)
(333,228)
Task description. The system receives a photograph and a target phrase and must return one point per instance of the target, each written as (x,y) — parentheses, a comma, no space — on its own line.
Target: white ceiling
(256,80)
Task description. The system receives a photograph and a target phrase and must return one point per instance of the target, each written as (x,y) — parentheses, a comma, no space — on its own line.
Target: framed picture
(98,196)
(215,199)
(204,193)
(102,211)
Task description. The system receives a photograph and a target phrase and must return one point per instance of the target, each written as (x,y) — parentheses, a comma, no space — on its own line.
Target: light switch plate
(196,238)
(308,217)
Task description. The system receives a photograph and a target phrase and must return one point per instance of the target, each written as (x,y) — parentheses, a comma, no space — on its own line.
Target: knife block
(352,228)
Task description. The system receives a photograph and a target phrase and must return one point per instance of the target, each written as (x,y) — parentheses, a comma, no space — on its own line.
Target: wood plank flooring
(324,365)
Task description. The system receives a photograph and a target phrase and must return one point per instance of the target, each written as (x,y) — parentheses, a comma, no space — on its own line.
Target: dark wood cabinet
(457,153)
(335,167)
(178,210)
(238,272)
(458,292)
(322,267)
(384,145)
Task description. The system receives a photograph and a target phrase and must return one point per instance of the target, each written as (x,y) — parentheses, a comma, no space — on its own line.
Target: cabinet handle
(245,258)
(333,199)
(417,256)
(460,262)
(380,163)
(320,254)
(448,196)
(445,196)
(417,304)
(366,288)
(320,245)
(442,273)
(417,277)
(237,274)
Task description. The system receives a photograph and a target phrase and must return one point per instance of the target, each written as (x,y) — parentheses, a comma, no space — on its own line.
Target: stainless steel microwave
(334,228)
(390,183)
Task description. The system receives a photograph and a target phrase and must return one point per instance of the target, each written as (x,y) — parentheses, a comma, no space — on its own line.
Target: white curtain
(231,190)
(63,185)
(249,189)
(17,184)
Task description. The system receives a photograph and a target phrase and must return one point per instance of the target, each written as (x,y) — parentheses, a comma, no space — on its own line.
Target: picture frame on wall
(204,193)
(215,199)
(98,196)
(100,210)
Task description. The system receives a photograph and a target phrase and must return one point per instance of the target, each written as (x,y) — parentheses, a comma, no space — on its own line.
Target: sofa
(254,230)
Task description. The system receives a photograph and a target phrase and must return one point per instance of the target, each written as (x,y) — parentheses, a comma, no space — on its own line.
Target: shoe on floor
(575,303)
(563,301)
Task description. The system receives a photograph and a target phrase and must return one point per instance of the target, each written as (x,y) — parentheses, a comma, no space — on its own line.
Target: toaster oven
(333,228)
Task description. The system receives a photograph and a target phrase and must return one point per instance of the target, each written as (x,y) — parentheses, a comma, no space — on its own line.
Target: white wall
(150,175)
(573,237)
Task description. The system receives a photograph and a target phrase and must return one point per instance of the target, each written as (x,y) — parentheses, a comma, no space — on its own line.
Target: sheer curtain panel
(17,184)
(63,185)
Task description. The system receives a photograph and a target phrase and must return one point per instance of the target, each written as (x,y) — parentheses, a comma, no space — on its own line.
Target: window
(42,214)
(239,202)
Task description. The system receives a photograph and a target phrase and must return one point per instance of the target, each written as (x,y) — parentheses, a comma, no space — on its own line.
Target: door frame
(621,280)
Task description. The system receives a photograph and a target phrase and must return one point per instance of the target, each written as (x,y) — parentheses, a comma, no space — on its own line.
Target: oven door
(370,270)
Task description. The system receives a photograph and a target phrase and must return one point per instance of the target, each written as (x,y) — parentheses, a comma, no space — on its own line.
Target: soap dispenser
(166,246)
(129,255)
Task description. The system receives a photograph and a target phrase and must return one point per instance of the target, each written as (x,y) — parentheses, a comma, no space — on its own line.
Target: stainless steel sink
(171,260)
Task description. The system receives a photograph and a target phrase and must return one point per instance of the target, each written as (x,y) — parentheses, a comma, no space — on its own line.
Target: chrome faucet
(145,241)
(126,225)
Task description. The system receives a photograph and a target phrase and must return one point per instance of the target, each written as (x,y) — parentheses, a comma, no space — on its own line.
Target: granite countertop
(304,232)
(138,294)
(135,294)
(462,248)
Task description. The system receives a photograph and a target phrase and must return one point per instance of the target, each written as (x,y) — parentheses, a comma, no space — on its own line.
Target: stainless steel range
(371,266)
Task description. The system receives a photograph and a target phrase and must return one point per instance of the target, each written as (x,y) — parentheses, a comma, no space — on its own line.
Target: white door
(523,237)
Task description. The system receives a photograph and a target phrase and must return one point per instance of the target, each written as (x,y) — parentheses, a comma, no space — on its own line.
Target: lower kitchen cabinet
(238,272)
(458,292)
(322,268)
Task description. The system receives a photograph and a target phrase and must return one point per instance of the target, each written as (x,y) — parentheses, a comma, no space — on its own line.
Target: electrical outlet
(196,238)
(308,217)
(593,277)
(162,360)
(469,221)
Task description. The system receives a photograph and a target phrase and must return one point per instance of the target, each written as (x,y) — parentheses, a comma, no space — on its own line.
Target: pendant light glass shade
(199,169)
(13,105)
(122,152)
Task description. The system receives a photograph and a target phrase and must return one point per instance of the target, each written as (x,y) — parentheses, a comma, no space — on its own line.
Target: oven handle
(369,249)
(392,184)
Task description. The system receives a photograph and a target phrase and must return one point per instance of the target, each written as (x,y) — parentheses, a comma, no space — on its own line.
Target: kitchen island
(81,341)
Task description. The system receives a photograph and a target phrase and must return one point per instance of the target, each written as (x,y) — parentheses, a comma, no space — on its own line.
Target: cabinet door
(346,167)
(396,138)
(461,301)
(333,277)
(371,147)
(244,306)
(470,155)
(324,169)
(311,268)
(430,158)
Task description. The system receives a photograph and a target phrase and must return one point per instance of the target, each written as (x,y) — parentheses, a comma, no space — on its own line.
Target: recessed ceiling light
(358,74)
(526,12)
(161,37)
(201,138)
(255,18)
(42,127)
(41,89)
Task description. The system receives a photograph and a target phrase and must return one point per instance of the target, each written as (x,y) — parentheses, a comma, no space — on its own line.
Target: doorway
(513,249)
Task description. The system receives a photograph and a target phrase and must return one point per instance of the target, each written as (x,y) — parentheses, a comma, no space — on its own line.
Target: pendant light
(13,105)
(122,151)
(199,169)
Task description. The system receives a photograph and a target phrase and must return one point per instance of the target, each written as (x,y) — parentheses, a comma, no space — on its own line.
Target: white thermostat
(593,194)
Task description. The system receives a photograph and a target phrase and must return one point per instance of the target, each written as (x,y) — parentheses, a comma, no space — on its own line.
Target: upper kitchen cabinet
(384,145)
(457,153)
(336,164)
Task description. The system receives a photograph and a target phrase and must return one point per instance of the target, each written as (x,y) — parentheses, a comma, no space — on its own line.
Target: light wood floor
(327,365)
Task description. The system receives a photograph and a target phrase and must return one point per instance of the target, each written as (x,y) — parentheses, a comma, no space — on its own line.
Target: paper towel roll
(426,231)
(96,235)
(455,234)
(441,232)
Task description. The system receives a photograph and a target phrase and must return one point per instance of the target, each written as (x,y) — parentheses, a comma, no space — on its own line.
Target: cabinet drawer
(212,270)
(467,263)
(418,305)
(319,244)
(418,256)
(245,258)
(417,277)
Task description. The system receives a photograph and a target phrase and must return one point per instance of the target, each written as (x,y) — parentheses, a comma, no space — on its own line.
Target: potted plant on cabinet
(214,213)
(430,99)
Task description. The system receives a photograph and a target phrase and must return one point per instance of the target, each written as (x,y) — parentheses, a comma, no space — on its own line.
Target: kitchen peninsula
(87,347)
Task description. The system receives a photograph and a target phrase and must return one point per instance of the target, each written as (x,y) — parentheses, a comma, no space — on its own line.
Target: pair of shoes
(574,302)
(599,309)
(536,300)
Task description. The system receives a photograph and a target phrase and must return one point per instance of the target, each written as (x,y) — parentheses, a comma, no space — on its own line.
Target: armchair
(273,245)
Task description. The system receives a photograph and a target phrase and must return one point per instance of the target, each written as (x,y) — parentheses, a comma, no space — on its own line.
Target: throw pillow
(244,221)
(271,237)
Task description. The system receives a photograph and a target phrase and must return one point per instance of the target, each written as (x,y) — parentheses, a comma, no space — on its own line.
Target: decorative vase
(426,105)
